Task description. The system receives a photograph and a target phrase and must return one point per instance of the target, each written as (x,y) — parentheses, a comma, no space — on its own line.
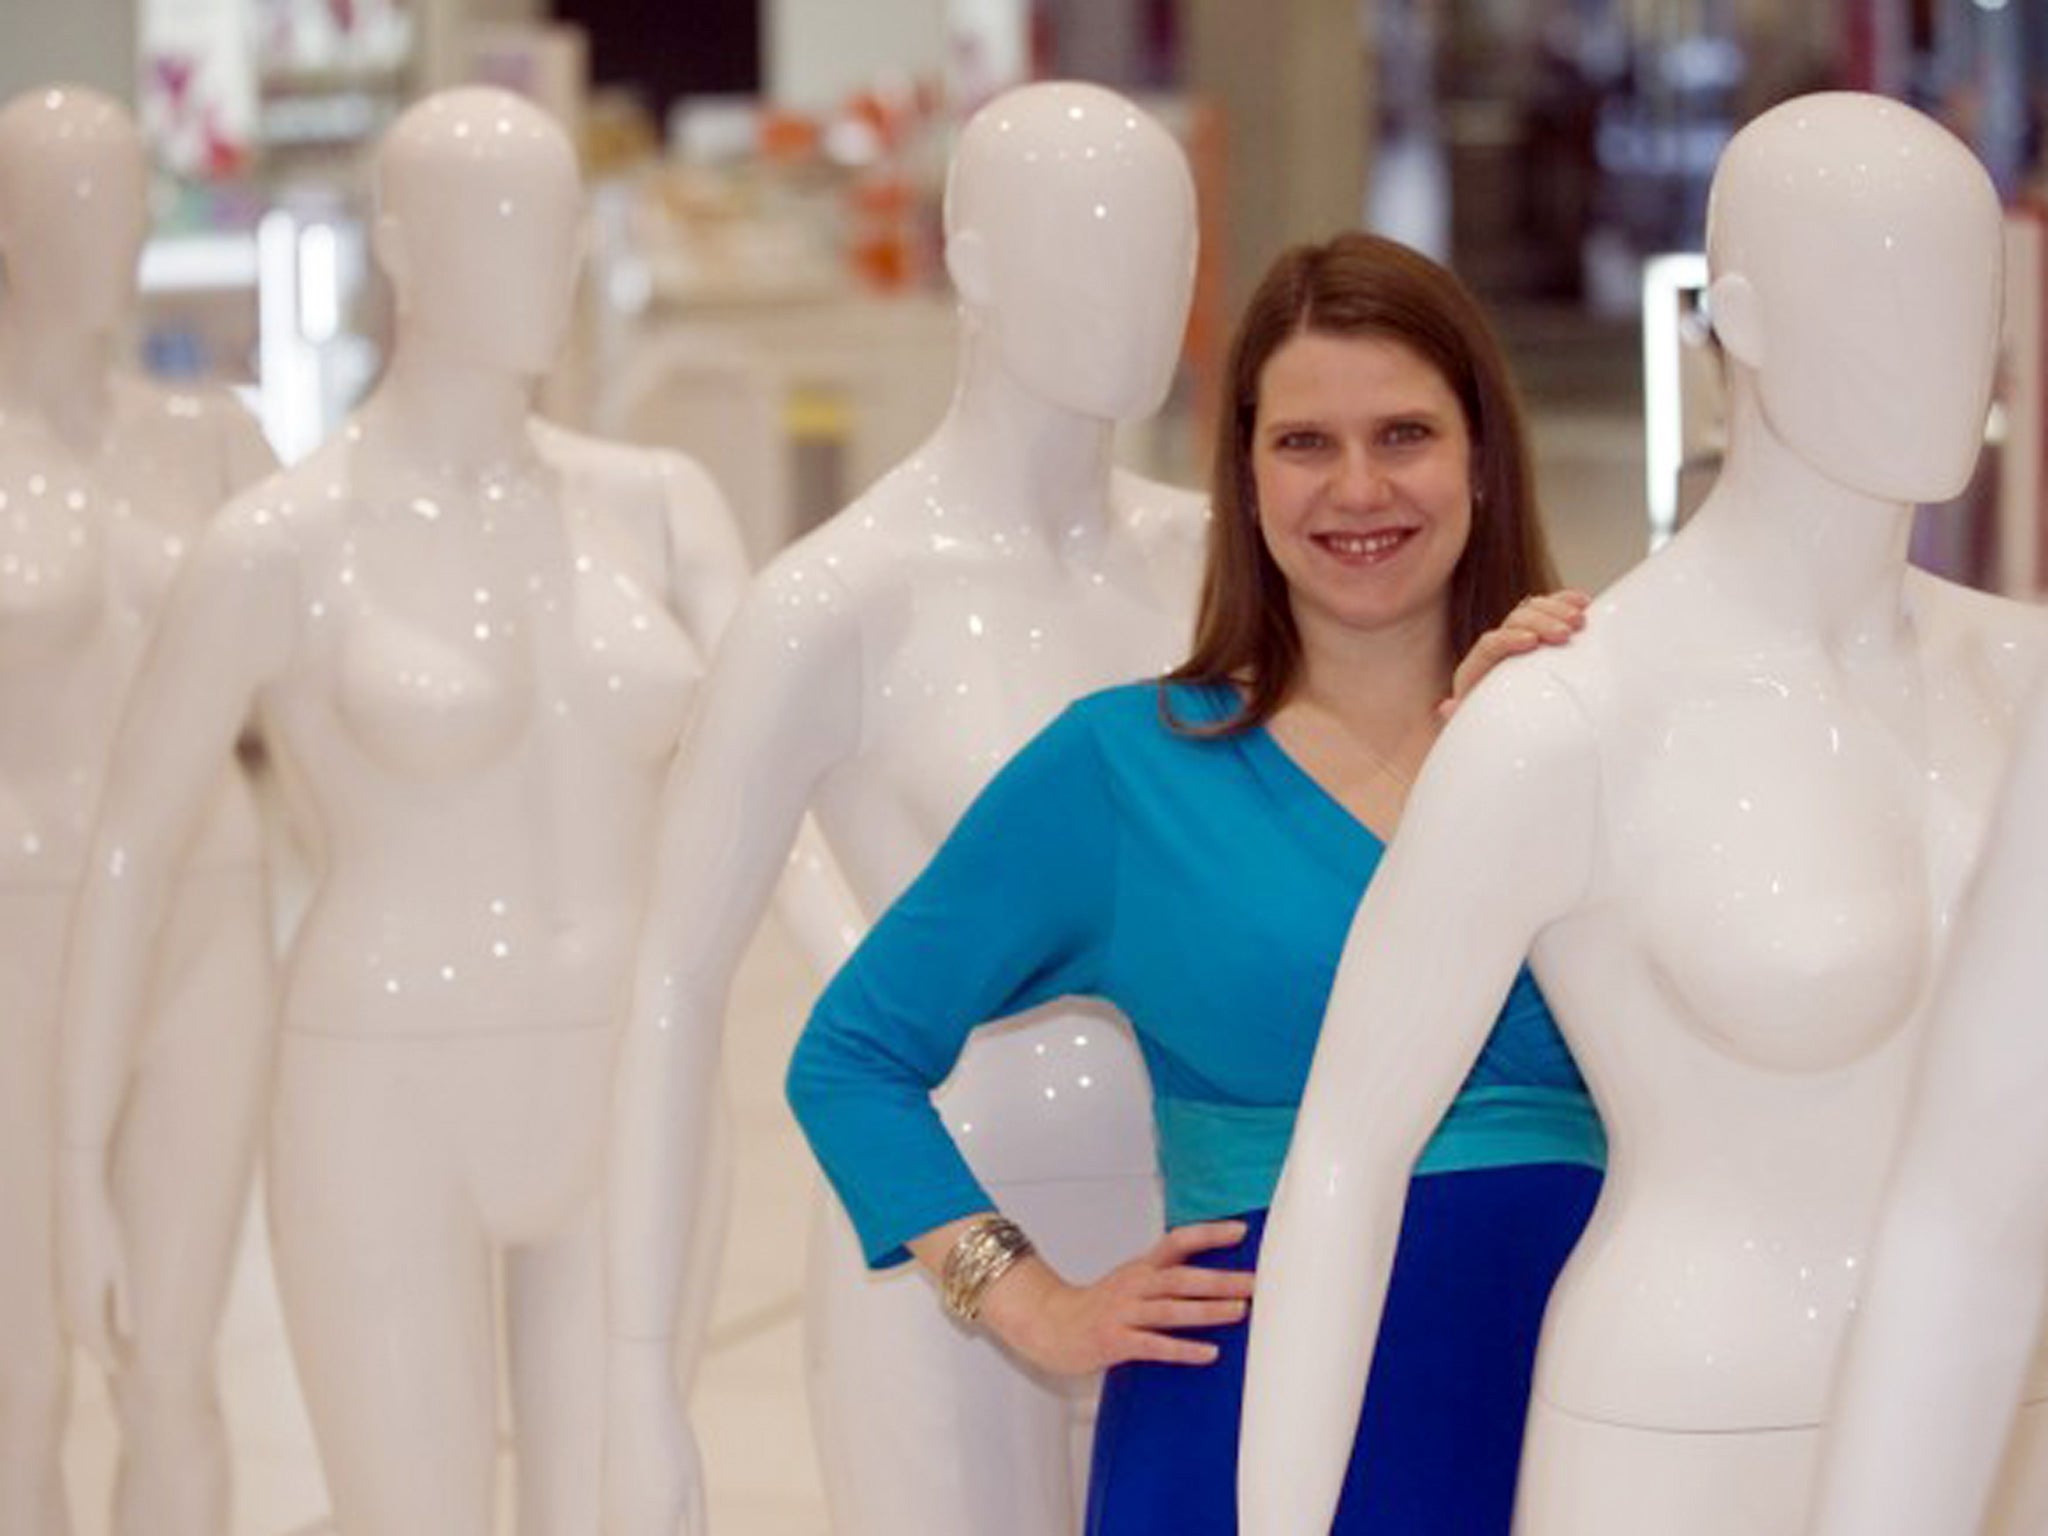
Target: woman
(1373,518)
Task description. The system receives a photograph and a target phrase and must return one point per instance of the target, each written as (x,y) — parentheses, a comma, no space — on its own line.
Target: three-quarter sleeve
(1016,908)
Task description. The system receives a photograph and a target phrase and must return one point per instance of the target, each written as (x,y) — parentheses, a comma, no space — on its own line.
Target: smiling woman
(1193,854)
(1375,516)
(1362,466)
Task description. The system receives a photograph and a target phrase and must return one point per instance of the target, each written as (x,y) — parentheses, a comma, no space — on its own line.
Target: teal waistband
(1223,1159)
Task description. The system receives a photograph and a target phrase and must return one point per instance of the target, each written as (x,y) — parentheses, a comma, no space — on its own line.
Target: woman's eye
(1406,433)
(1301,441)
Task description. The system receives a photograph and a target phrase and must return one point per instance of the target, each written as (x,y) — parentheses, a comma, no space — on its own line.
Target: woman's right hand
(1076,1330)
(1547,618)
(92,1270)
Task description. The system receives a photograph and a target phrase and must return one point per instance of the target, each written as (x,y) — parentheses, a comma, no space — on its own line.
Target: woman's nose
(1360,480)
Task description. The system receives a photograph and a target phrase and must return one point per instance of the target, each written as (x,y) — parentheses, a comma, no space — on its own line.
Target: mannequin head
(73,207)
(1070,237)
(479,210)
(1855,247)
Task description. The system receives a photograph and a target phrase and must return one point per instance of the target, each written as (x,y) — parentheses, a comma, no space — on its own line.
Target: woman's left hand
(1550,618)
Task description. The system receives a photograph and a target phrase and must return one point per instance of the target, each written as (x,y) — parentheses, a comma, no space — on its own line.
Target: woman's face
(1362,462)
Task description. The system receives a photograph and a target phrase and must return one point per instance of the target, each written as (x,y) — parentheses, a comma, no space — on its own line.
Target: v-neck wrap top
(1204,886)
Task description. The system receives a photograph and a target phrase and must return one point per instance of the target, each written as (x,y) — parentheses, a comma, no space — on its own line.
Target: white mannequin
(1939,1355)
(461,630)
(878,674)
(104,478)
(1729,825)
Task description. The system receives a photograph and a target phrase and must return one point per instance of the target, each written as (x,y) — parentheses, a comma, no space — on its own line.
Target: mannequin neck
(450,418)
(1803,550)
(55,369)
(1038,471)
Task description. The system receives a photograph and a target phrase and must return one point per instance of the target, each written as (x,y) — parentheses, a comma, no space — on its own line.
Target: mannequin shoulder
(1550,702)
(208,417)
(621,478)
(275,523)
(1169,516)
(2000,639)
(803,612)
(626,467)
(665,500)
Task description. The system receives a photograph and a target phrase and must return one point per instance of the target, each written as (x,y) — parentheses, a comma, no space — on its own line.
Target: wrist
(984,1249)
(1017,1306)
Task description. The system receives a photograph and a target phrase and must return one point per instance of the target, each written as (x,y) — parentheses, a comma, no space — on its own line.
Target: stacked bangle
(980,1256)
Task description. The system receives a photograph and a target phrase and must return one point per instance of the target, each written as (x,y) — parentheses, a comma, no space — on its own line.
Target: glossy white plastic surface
(1938,1358)
(105,479)
(1729,823)
(878,674)
(472,641)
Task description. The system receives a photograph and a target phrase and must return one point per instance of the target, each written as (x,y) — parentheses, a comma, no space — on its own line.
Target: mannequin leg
(182,1168)
(1581,1477)
(33,1353)
(925,1428)
(385,1273)
(554,1308)
(1584,1478)
(2020,1505)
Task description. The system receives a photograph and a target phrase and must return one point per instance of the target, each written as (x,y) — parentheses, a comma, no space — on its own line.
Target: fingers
(1197,1237)
(1165,1349)
(1553,618)
(1209,1283)
(1177,1312)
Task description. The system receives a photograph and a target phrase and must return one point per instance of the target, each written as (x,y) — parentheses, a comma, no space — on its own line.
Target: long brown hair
(1358,285)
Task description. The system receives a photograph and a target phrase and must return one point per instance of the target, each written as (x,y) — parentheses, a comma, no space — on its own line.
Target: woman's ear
(1736,312)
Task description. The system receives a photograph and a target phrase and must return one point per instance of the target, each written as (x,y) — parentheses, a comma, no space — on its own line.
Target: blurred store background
(764,285)
(764,289)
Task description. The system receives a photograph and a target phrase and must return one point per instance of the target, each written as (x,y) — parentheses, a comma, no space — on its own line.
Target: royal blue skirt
(1441,1434)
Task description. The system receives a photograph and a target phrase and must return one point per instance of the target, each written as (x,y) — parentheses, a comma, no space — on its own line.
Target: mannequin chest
(965,665)
(1798,851)
(456,637)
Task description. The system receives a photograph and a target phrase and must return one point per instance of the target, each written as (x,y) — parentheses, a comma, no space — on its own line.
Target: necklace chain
(1379,761)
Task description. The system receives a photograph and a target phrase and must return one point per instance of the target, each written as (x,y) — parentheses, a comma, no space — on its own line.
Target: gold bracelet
(980,1256)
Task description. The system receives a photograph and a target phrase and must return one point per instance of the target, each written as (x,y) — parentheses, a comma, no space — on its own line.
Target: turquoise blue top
(1204,887)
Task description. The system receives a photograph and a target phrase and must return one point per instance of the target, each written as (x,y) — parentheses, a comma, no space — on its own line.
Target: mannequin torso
(878,673)
(1739,819)
(471,639)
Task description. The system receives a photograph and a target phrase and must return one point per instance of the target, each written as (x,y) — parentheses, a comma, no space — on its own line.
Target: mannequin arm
(1497,840)
(780,707)
(708,570)
(817,905)
(1937,1358)
(708,565)
(229,625)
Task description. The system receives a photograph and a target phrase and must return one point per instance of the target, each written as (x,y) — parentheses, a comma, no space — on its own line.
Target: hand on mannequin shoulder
(1549,618)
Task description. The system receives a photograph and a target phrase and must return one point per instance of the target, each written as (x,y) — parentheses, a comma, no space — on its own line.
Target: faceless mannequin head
(1070,236)
(72,205)
(1856,249)
(479,208)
